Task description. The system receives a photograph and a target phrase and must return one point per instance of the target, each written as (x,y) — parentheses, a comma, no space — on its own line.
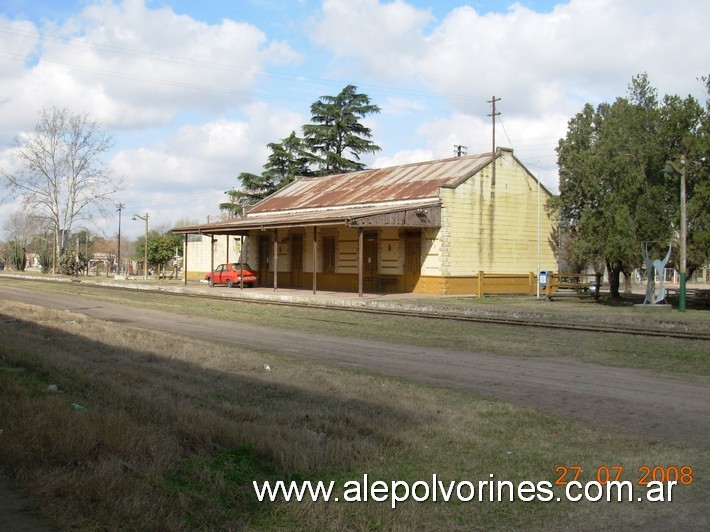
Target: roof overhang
(410,216)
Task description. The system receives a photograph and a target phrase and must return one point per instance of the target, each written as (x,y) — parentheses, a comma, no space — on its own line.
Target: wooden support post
(227,236)
(276,259)
(479,289)
(241,258)
(360,245)
(531,283)
(315,256)
(212,255)
(184,263)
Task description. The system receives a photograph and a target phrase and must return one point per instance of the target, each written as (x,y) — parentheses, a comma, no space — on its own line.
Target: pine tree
(336,131)
(332,144)
(287,161)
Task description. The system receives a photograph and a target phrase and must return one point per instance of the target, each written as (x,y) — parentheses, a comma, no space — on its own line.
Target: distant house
(427,227)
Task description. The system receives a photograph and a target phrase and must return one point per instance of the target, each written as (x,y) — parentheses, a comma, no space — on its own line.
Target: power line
(510,142)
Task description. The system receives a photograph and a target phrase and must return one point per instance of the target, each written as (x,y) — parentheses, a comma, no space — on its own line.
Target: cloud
(543,66)
(184,99)
(385,38)
(131,66)
(18,40)
(148,74)
(536,61)
(198,162)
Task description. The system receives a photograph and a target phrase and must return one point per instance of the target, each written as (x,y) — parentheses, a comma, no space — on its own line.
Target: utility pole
(493,114)
(679,166)
(145,244)
(460,150)
(119,208)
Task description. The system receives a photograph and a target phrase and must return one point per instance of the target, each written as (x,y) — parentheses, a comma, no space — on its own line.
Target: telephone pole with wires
(493,114)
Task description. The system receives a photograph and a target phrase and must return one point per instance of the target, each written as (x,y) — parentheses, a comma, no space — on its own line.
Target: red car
(232,274)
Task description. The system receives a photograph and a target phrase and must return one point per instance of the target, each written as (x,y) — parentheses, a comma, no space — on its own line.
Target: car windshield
(238,266)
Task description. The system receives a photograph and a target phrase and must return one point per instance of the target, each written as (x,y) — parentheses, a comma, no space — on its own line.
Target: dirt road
(655,406)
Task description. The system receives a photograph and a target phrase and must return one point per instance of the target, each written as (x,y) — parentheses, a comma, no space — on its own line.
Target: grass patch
(220,481)
(176,429)
(667,355)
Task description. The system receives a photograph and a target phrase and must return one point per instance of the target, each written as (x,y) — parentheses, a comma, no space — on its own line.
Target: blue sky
(192,92)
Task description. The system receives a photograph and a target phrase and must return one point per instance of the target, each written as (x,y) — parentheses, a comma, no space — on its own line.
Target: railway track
(439,315)
(519,322)
(452,316)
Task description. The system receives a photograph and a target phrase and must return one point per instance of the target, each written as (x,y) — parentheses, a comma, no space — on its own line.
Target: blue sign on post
(543,279)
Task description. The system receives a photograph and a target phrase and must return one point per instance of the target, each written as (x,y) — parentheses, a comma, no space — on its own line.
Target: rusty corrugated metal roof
(332,216)
(413,181)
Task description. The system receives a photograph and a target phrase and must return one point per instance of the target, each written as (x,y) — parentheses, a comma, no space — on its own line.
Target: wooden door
(264,261)
(296,261)
(412,260)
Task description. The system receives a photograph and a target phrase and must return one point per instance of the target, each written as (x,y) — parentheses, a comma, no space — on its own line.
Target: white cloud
(128,65)
(403,157)
(183,98)
(543,66)
(387,35)
(18,40)
(171,79)
(196,164)
(536,61)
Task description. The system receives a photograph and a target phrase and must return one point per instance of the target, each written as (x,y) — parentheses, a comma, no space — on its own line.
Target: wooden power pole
(493,114)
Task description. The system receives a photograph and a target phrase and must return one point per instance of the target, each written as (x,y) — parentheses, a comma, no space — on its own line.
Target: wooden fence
(557,284)
(505,283)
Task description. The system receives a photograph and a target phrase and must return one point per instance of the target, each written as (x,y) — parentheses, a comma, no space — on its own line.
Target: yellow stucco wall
(494,229)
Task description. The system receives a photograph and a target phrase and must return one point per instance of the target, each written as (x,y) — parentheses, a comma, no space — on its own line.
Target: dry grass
(176,429)
(668,355)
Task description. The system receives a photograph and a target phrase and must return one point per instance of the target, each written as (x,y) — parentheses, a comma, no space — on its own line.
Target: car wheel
(250,285)
(210,282)
(229,283)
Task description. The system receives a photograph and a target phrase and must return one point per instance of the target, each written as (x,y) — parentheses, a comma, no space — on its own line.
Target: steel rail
(492,320)
(519,322)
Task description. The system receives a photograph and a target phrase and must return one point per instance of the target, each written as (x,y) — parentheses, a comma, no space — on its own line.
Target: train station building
(433,227)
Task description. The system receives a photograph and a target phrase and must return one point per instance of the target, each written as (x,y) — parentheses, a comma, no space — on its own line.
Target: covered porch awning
(409,216)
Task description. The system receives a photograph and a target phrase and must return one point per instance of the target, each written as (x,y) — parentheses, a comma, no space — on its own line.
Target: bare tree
(21,227)
(61,175)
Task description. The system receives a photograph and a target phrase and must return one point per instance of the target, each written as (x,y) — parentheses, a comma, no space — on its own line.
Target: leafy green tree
(337,133)
(161,248)
(698,189)
(43,248)
(614,193)
(71,263)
